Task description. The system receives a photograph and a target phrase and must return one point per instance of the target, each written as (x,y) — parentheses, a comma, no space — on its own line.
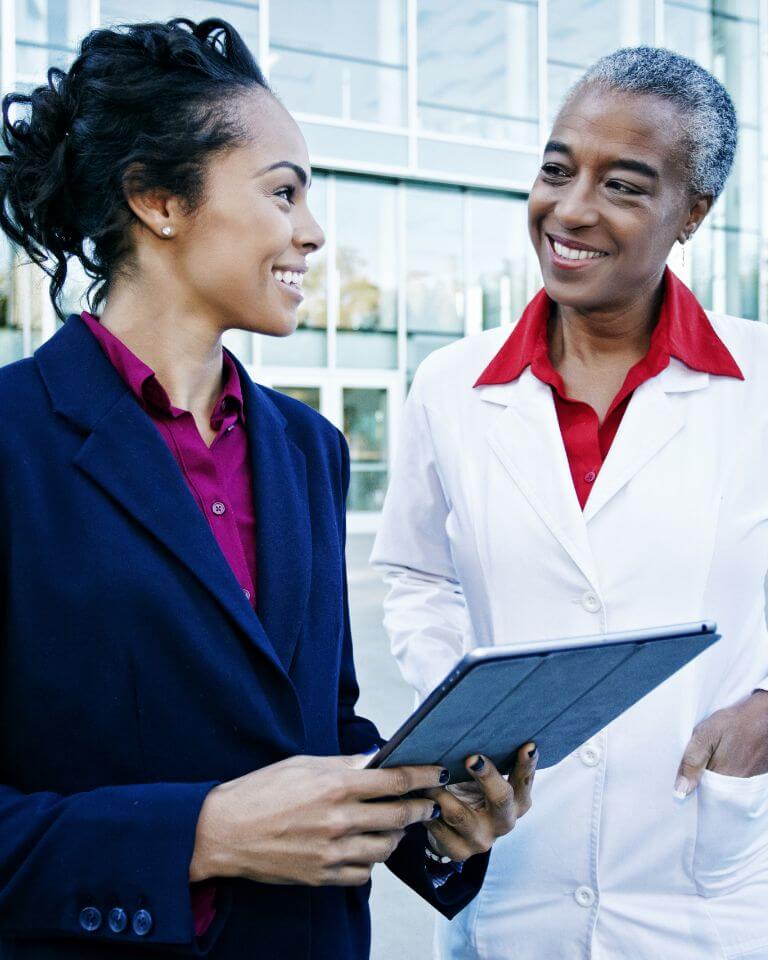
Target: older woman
(604,468)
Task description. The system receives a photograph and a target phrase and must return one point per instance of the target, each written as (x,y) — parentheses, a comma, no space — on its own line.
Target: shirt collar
(148,390)
(683,331)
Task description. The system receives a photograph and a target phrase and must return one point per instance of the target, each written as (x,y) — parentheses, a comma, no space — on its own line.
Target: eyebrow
(300,172)
(635,166)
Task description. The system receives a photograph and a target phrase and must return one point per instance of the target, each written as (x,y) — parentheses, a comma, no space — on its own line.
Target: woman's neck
(182,347)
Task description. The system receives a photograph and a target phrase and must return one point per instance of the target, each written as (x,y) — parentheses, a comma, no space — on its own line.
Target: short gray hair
(709,117)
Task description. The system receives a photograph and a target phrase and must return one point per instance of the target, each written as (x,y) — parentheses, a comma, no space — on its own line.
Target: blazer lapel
(649,423)
(527,441)
(126,457)
(284,536)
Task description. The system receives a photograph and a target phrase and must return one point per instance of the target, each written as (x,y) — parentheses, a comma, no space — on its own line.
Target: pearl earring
(167,231)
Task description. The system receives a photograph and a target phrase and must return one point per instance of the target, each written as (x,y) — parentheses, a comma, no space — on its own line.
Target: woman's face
(243,253)
(610,199)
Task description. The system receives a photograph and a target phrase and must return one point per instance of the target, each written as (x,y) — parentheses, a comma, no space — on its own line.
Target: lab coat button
(90,919)
(218,508)
(584,896)
(591,602)
(590,755)
(142,922)
(117,919)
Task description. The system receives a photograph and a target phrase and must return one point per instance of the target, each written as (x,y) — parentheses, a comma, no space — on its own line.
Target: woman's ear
(700,208)
(157,210)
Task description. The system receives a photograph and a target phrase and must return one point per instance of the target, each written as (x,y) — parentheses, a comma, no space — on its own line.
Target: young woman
(602,467)
(177,688)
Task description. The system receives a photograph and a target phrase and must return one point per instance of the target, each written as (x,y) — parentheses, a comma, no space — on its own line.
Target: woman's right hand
(306,821)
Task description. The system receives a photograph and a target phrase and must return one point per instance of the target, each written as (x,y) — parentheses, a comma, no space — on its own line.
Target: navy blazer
(134,674)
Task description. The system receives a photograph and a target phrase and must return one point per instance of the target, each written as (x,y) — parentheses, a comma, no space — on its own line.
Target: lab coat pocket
(732,833)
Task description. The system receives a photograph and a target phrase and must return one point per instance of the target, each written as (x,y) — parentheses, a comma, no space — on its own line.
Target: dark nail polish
(532,752)
(478,765)
(436,811)
(445,776)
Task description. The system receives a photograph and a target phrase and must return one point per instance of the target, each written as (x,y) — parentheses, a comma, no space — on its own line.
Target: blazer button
(142,923)
(117,919)
(90,919)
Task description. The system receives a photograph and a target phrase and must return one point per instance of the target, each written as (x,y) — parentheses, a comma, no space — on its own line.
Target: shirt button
(218,508)
(591,602)
(90,919)
(230,429)
(584,896)
(247,593)
(590,477)
(117,919)
(142,923)
(590,755)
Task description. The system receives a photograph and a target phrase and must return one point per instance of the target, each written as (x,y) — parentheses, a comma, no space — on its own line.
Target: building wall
(425,120)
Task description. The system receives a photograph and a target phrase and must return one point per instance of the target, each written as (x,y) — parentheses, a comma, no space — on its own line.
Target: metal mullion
(762,295)
(658,23)
(264,46)
(332,275)
(8,42)
(411,59)
(542,79)
(402,280)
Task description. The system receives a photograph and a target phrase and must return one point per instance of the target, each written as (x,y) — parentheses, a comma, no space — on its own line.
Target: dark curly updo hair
(143,107)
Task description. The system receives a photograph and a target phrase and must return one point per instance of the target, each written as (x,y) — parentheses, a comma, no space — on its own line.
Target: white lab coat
(483,541)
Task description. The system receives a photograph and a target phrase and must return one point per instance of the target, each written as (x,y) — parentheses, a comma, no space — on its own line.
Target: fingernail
(436,811)
(682,788)
(478,765)
(533,751)
(445,776)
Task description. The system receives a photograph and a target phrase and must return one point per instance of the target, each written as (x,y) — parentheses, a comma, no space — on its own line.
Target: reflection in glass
(434,260)
(477,68)
(307,346)
(11,336)
(308,395)
(47,34)
(366,430)
(341,58)
(581,31)
(242,14)
(366,262)
(499,258)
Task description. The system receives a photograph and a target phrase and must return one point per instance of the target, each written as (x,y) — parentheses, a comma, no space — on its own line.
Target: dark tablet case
(558,699)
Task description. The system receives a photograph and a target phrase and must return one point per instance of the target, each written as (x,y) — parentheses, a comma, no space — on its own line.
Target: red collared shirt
(683,331)
(219,477)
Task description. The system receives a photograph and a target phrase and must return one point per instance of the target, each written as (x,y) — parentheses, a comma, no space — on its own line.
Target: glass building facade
(425,120)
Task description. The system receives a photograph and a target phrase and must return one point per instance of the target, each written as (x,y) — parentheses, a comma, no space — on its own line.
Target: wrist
(209,857)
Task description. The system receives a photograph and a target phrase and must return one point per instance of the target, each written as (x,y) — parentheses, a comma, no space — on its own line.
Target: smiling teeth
(570,254)
(290,277)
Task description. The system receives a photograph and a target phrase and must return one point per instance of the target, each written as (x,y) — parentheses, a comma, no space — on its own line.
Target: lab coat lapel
(283,530)
(651,420)
(527,441)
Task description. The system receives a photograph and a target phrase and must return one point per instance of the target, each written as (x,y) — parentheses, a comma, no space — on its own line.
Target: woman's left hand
(474,815)
(732,742)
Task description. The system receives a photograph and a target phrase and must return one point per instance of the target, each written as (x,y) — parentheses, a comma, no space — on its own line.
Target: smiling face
(610,199)
(242,254)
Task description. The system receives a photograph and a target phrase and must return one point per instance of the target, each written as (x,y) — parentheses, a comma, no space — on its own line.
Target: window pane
(581,31)
(499,257)
(726,46)
(47,34)
(308,395)
(11,337)
(366,262)
(738,206)
(341,58)
(366,430)
(242,14)
(434,261)
(725,271)
(307,346)
(477,68)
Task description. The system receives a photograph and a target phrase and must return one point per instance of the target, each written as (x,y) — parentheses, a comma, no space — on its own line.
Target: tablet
(558,693)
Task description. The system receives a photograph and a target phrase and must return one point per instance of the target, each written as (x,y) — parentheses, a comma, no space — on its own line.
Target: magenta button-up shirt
(219,477)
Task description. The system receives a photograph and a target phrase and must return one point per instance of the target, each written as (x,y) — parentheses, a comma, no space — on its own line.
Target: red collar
(683,331)
(150,392)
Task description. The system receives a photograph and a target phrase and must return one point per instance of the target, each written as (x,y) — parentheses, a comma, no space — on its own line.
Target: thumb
(697,755)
